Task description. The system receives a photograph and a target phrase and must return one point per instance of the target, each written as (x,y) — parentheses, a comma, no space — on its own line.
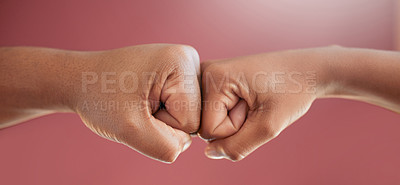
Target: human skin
(129,82)
(250,100)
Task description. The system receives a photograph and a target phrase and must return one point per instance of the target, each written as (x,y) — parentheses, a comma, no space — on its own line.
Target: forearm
(34,81)
(368,75)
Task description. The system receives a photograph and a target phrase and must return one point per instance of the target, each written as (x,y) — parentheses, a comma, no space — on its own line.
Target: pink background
(337,142)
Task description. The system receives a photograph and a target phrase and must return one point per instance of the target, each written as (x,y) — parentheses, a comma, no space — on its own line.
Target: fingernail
(186,146)
(213,153)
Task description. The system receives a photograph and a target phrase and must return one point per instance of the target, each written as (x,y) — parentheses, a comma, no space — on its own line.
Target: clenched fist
(150,97)
(146,97)
(249,100)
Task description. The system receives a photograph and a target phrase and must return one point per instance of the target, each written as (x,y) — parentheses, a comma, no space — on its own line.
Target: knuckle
(268,131)
(215,77)
(235,153)
(214,68)
(186,116)
(190,53)
(125,132)
(179,59)
(170,154)
(188,126)
(205,133)
(236,156)
(179,54)
(209,131)
(192,127)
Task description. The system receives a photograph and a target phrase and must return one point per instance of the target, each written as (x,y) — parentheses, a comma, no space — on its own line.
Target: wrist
(355,74)
(68,79)
(41,79)
(335,63)
(365,74)
(62,81)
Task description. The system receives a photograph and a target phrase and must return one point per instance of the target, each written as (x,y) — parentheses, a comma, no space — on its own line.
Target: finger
(205,64)
(165,117)
(256,131)
(230,124)
(238,114)
(181,96)
(154,138)
(218,99)
(215,120)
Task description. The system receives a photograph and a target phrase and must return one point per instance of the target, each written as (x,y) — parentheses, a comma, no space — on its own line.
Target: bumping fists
(153,101)
(154,97)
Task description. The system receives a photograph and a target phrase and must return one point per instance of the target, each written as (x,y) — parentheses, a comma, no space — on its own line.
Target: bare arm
(263,94)
(368,75)
(33,82)
(133,82)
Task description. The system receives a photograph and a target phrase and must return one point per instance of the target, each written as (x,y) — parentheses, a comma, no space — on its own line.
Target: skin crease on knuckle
(264,133)
(235,154)
(236,151)
(180,58)
(169,153)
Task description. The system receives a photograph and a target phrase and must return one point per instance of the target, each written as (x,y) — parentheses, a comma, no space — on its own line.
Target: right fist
(146,97)
(249,100)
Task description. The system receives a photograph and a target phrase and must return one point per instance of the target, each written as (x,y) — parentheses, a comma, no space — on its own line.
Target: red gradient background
(336,142)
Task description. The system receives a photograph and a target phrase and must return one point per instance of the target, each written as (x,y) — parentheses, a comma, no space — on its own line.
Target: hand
(249,100)
(146,97)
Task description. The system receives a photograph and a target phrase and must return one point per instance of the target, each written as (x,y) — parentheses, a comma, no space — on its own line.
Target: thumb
(257,130)
(154,138)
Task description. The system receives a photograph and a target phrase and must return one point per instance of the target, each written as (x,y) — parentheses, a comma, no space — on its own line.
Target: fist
(146,97)
(249,100)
